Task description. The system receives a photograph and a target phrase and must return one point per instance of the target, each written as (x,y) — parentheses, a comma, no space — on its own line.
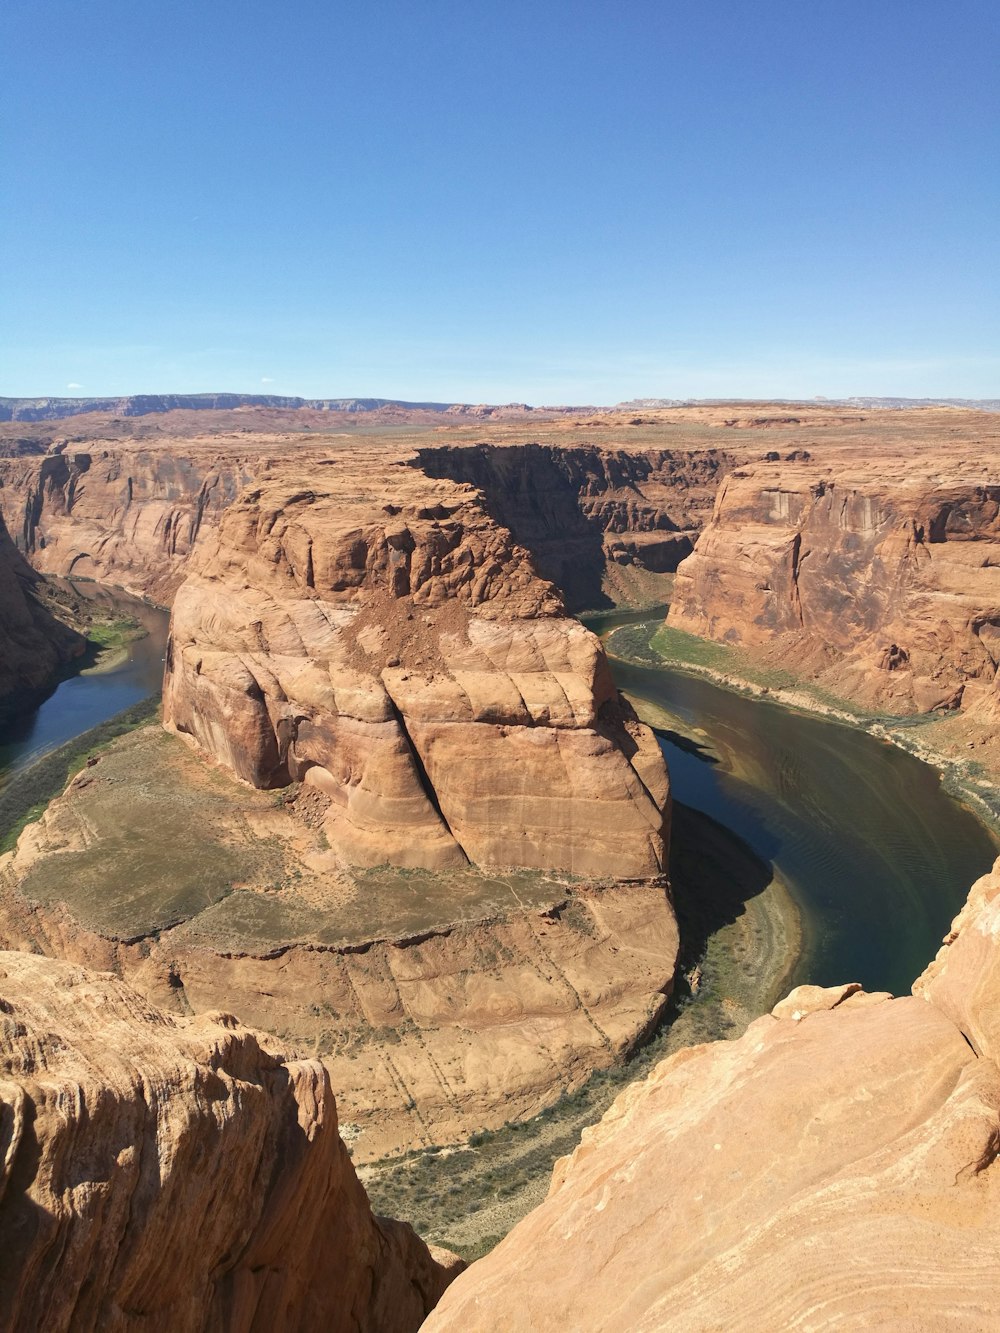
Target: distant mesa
(144,404)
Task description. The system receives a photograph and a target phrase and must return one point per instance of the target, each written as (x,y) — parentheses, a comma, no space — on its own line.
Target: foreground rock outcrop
(169,1173)
(835,1167)
(376,635)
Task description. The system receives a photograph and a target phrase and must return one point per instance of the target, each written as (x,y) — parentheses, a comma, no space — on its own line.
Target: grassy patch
(25,797)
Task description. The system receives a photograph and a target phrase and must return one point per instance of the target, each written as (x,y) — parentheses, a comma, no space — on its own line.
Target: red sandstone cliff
(171,1173)
(883,582)
(374,633)
(122,514)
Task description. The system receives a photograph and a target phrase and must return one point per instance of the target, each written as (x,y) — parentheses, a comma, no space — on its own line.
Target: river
(877,856)
(92,697)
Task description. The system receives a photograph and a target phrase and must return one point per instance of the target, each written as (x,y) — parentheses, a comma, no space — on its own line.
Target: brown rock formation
(579,509)
(169,1173)
(441,1003)
(124,514)
(834,1167)
(377,635)
(879,579)
(34,646)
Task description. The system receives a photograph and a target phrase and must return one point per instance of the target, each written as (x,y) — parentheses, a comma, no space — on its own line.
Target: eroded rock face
(580,509)
(834,1167)
(882,581)
(172,1173)
(34,645)
(126,515)
(375,634)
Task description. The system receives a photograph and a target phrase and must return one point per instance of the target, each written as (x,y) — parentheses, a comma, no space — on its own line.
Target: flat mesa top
(939,442)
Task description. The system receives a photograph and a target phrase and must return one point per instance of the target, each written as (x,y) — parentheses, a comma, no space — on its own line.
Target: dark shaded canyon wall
(578,507)
(35,647)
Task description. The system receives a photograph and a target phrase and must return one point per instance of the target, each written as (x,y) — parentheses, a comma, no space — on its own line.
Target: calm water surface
(87,700)
(877,855)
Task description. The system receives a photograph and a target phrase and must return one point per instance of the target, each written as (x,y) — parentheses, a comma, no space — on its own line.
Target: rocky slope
(835,1167)
(36,646)
(375,634)
(880,580)
(172,1173)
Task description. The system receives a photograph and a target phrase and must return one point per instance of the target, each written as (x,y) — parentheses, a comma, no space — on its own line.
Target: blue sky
(553,201)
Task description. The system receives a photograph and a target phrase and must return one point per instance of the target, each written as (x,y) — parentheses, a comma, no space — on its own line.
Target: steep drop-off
(35,647)
(124,515)
(172,1173)
(835,1167)
(580,509)
(377,635)
(882,582)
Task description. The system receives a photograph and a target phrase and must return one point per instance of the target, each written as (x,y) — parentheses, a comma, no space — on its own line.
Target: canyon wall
(580,508)
(375,634)
(35,646)
(171,1173)
(880,581)
(126,516)
(835,1167)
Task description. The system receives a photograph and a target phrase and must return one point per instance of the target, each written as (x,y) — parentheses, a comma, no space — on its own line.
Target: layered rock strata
(883,582)
(170,1173)
(441,1002)
(376,635)
(579,509)
(836,1166)
(120,515)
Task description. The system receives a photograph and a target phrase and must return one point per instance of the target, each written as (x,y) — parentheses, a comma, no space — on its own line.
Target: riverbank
(653,644)
(26,798)
(739,933)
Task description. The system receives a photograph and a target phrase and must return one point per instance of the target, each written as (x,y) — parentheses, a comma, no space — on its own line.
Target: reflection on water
(87,700)
(878,855)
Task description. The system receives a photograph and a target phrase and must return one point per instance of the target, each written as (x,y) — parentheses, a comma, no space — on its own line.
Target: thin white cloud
(73,385)
(266,379)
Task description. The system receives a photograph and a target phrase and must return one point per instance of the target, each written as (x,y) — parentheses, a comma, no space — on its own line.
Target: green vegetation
(108,640)
(24,797)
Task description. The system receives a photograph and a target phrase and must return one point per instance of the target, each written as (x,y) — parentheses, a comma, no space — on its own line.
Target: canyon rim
(398,818)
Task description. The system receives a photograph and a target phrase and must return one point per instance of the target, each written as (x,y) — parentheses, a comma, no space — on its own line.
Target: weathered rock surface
(580,509)
(834,1167)
(176,1173)
(34,646)
(881,579)
(442,1003)
(375,634)
(124,514)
